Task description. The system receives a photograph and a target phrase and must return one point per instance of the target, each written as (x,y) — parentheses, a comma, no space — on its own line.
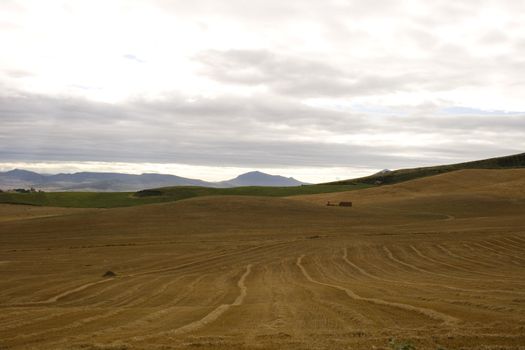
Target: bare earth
(438,261)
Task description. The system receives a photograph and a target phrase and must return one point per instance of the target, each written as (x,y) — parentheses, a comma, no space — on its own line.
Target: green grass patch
(160,195)
(76,199)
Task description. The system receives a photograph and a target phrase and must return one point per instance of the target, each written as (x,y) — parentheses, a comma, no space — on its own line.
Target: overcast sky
(315,89)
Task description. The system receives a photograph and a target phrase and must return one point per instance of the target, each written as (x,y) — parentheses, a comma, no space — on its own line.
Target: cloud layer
(264,84)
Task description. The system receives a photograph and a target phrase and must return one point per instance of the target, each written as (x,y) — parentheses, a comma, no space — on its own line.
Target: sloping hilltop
(437,262)
(391,177)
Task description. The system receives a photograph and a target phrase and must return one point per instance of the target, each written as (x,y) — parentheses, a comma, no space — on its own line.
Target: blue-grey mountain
(101,182)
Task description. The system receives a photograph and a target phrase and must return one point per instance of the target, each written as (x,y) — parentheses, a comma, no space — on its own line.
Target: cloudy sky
(315,89)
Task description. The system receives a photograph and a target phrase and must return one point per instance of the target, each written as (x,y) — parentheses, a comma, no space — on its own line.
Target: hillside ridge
(401,175)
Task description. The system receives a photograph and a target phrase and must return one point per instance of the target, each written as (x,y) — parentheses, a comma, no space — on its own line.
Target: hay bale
(109,274)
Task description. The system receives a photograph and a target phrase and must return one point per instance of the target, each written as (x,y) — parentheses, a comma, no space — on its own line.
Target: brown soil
(438,261)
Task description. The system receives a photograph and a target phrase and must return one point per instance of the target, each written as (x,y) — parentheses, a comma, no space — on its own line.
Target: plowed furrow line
(66,293)
(420,284)
(10,314)
(519,239)
(209,261)
(50,287)
(286,289)
(22,287)
(30,319)
(175,260)
(481,255)
(424,271)
(136,293)
(499,246)
(320,309)
(384,265)
(329,273)
(190,289)
(432,260)
(146,322)
(99,297)
(499,253)
(426,257)
(259,256)
(468,247)
(336,313)
(502,309)
(354,274)
(221,258)
(48,332)
(413,293)
(507,244)
(250,255)
(475,262)
(515,243)
(210,317)
(447,319)
(159,292)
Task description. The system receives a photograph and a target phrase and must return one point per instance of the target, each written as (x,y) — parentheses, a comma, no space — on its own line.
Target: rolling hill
(395,176)
(459,193)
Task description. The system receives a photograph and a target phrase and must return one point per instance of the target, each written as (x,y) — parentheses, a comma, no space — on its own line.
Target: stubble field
(438,262)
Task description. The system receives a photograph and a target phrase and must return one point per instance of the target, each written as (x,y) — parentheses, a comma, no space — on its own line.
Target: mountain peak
(24,175)
(258,178)
(252,174)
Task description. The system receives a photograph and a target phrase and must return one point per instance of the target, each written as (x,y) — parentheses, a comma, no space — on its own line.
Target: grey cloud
(385,69)
(258,132)
(259,66)
(450,67)
(237,111)
(297,76)
(460,127)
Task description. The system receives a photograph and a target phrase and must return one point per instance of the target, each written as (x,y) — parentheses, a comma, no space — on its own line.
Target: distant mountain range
(115,182)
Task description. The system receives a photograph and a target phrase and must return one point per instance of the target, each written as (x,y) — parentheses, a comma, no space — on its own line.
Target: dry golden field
(439,262)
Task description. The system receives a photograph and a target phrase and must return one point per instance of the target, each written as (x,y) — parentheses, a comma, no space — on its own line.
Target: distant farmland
(167,194)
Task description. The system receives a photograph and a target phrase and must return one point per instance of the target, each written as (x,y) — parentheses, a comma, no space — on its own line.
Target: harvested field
(439,262)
